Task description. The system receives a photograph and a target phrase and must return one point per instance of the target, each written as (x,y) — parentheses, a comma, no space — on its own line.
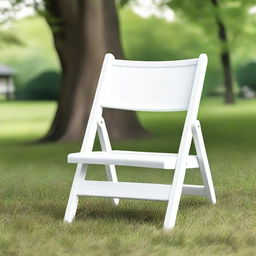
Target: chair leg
(106,146)
(203,162)
(111,175)
(174,199)
(73,197)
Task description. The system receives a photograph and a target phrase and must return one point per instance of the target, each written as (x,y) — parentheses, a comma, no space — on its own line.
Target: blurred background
(149,30)
(48,54)
(50,57)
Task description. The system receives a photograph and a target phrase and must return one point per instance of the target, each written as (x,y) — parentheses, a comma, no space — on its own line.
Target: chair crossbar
(128,190)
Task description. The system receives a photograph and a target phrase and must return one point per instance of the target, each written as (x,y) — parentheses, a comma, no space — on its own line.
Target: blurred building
(247,92)
(6,82)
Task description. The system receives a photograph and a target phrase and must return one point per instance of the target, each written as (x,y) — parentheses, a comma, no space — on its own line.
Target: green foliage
(9,38)
(246,75)
(234,14)
(123,2)
(142,39)
(35,55)
(45,86)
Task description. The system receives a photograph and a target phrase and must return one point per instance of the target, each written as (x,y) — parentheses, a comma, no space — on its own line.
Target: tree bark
(83,31)
(224,56)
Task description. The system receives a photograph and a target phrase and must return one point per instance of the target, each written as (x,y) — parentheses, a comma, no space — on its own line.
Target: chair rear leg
(106,146)
(73,197)
(203,162)
(111,175)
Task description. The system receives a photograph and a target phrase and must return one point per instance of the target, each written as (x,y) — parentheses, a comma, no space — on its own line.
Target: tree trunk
(83,32)
(225,55)
(226,64)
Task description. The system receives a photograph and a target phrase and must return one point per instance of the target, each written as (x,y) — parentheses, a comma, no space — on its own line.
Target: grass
(35,182)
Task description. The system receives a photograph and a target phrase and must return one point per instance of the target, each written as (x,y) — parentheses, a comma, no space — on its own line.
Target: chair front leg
(80,174)
(175,195)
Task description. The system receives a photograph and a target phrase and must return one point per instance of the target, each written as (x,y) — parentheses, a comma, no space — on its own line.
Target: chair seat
(131,158)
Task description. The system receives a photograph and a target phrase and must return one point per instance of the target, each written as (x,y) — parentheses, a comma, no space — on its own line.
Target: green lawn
(35,181)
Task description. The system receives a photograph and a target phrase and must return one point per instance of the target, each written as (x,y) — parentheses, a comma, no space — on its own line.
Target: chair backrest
(148,86)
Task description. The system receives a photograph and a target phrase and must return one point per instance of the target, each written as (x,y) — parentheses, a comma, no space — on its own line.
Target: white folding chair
(144,86)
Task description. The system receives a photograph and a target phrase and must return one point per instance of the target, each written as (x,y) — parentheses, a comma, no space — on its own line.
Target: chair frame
(162,192)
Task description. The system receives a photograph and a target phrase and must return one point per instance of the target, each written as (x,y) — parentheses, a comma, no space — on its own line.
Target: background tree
(226,19)
(83,32)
